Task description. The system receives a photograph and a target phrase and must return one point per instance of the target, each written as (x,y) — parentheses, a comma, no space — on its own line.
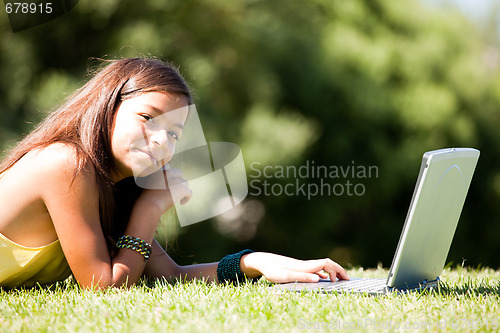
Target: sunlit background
(330,82)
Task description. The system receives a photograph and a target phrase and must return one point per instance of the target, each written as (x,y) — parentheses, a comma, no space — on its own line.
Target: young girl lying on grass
(58,189)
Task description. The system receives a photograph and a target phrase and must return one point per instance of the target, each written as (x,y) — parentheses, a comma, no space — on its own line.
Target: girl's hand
(281,269)
(165,188)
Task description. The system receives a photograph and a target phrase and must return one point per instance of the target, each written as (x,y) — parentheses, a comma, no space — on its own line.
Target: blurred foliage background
(329,82)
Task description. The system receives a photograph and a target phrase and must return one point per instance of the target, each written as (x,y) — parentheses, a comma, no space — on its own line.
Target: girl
(63,190)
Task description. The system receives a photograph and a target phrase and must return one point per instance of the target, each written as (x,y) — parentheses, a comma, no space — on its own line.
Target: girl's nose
(160,139)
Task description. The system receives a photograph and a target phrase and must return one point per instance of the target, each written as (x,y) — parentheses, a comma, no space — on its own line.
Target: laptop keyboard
(355,285)
(359,285)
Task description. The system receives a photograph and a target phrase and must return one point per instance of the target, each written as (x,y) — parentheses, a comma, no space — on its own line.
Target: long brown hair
(85,122)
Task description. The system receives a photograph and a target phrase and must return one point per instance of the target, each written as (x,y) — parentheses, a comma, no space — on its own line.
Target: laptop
(432,218)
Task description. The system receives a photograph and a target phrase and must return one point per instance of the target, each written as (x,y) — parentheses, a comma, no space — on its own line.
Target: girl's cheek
(143,134)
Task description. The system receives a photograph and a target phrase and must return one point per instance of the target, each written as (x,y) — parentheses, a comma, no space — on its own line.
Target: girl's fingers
(322,274)
(330,267)
(284,276)
(277,268)
(179,187)
(323,268)
(187,196)
(180,191)
(173,176)
(304,277)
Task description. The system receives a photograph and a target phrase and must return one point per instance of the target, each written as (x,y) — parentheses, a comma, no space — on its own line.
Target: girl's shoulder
(56,162)
(50,174)
(56,154)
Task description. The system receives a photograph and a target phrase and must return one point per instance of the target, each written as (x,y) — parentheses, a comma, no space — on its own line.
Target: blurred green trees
(334,83)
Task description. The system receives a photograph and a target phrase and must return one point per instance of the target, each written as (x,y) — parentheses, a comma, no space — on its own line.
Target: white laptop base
(370,286)
(435,208)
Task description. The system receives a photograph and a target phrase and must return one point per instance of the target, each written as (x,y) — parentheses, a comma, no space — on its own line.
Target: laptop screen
(432,218)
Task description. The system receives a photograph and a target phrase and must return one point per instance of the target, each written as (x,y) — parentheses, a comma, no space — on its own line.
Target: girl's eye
(148,118)
(174,135)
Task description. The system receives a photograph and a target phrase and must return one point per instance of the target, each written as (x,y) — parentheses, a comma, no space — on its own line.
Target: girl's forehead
(161,101)
(159,105)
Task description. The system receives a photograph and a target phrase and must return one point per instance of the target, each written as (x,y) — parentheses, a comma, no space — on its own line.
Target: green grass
(469,299)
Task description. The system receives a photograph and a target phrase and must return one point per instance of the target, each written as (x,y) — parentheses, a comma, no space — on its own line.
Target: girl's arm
(73,205)
(281,269)
(160,265)
(275,268)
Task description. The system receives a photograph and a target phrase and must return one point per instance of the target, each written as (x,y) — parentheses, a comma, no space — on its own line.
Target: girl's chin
(144,171)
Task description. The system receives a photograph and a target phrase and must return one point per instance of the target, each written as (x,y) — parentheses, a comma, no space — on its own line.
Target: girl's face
(145,131)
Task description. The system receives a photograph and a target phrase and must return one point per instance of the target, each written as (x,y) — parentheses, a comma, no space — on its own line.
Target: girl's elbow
(94,283)
(101,282)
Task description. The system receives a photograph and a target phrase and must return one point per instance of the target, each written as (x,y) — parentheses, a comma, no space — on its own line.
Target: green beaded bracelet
(228,269)
(136,244)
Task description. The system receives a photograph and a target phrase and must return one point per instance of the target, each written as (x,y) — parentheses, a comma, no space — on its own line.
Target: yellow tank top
(26,266)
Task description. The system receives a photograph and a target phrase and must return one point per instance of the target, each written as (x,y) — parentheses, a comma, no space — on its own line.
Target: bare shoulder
(58,156)
(53,194)
(56,166)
